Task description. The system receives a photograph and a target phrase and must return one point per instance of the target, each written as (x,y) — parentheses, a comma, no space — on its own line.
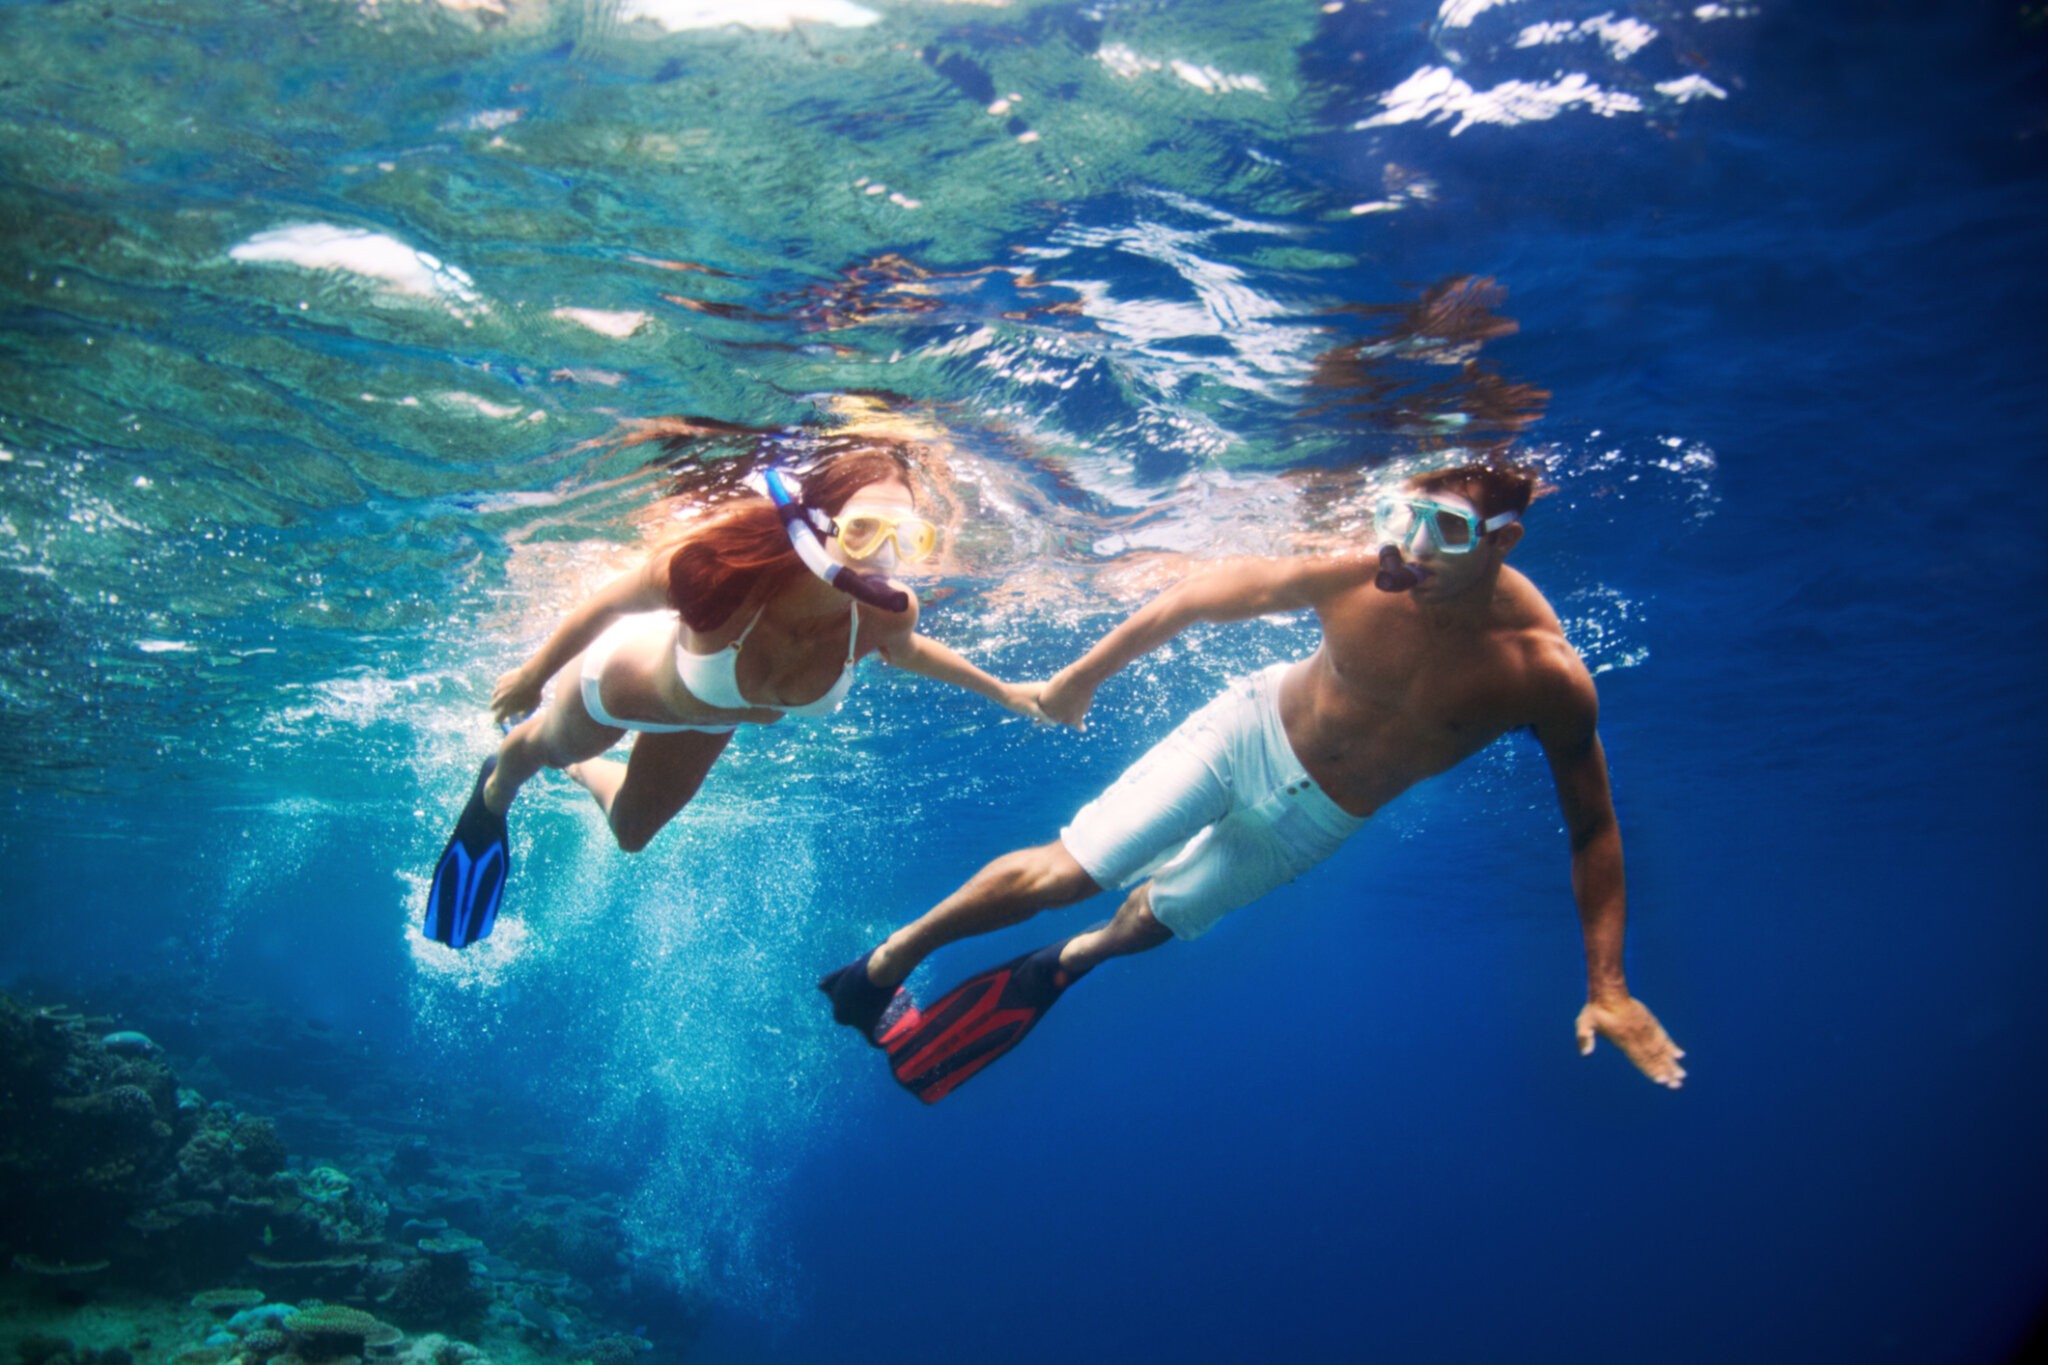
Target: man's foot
(859,1003)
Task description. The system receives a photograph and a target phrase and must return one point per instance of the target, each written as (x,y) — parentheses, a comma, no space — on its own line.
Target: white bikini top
(715,678)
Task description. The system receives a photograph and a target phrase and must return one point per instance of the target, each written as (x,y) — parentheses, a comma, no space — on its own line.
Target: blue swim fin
(469,881)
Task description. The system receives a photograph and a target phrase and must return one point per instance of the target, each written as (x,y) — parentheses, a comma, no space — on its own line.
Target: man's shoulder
(1551,669)
(1523,597)
(1557,684)
(1527,614)
(1528,618)
(1552,659)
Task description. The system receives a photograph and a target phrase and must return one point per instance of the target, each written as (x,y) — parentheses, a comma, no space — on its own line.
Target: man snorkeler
(1431,650)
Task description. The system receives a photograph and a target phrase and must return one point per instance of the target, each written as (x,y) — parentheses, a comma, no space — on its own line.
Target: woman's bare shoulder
(882,625)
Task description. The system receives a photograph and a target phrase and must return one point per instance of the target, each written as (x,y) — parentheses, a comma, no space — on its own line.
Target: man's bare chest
(1437,703)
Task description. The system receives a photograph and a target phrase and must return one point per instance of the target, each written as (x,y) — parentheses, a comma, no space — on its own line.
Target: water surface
(338,343)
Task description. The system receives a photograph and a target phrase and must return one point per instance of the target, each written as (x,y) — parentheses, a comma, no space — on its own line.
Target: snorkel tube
(802,525)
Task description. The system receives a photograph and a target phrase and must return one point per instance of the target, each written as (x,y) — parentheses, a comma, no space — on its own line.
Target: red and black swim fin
(932,1051)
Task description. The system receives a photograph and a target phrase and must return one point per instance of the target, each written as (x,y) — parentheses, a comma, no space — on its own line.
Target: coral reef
(117,1184)
(85,1131)
(330,1330)
(440,1286)
(40,1349)
(103,1157)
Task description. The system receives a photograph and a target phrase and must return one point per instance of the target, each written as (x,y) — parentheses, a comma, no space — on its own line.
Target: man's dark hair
(1492,486)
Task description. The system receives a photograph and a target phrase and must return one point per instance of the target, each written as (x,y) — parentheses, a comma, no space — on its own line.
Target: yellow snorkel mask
(863,532)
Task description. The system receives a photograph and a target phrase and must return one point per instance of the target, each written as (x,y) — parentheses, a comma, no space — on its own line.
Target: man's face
(1446,573)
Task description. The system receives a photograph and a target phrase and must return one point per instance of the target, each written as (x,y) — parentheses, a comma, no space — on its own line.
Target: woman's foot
(601,777)
(497,796)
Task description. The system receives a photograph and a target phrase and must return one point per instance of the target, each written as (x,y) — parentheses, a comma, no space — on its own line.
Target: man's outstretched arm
(1227,590)
(1571,741)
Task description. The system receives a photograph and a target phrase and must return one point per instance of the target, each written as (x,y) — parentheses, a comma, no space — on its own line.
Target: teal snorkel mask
(1453,528)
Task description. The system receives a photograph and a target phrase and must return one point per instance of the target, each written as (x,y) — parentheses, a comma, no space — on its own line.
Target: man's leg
(1134,930)
(1008,891)
(935,1049)
(1159,803)
(1176,789)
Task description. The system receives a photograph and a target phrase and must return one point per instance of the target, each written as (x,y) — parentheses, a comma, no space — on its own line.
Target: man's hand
(1630,1026)
(515,696)
(1067,700)
(1023,698)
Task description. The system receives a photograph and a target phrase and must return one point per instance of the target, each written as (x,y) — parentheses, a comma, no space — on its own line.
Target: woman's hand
(1023,698)
(515,696)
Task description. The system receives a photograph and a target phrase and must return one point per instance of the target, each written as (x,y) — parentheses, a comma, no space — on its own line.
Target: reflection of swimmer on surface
(728,626)
(1425,660)
(1394,380)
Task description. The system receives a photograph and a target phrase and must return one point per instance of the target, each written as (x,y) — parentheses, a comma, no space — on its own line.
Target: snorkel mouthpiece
(1394,575)
(802,524)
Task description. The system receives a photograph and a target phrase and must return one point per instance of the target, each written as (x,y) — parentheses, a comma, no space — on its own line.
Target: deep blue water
(1790,336)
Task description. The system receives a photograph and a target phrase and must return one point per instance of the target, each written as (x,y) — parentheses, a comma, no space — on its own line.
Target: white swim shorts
(1217,814)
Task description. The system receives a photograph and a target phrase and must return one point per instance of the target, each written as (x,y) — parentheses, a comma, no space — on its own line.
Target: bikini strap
(852,632)
(734,646)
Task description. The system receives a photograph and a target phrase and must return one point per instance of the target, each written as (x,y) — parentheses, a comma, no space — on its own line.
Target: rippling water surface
(346,345)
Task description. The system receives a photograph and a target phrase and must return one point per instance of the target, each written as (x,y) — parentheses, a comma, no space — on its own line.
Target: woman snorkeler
(733,623)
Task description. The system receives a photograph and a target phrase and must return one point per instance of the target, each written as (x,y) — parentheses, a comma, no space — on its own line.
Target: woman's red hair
(739,548)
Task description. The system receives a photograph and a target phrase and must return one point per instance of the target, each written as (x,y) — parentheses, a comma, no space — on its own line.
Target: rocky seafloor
(142,1224)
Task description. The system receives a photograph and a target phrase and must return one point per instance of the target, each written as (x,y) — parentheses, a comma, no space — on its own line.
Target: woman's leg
(559,734)
(643,794)
(600,777)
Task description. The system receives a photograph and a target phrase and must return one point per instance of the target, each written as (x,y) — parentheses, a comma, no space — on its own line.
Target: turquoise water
(340,342)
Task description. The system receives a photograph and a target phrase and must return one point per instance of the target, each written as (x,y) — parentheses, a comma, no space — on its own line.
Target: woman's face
(879,528)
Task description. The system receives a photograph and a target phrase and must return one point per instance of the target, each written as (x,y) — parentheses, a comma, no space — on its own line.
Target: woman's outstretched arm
(922,655)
